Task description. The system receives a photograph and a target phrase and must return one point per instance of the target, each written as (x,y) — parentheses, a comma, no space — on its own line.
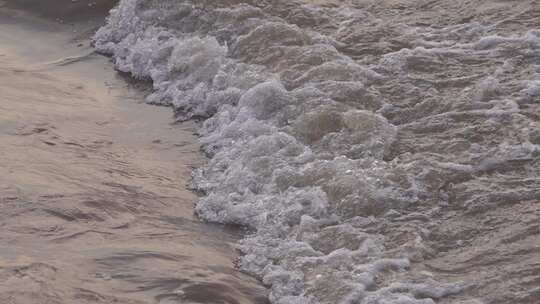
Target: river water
(94,206)
(380,152)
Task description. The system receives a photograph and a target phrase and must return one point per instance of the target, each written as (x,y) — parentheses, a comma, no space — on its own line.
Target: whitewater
(378,152)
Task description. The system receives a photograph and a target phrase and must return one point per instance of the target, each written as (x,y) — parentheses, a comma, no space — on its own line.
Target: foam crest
(315,128)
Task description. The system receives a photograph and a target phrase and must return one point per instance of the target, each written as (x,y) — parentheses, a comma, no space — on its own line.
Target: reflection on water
(93,206)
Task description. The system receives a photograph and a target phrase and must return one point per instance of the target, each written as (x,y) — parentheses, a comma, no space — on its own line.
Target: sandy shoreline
(93,200)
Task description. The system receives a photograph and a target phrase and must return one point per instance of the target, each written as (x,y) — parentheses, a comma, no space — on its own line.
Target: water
(93,200)
(382,152)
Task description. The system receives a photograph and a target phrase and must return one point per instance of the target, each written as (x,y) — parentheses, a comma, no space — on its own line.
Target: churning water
(381,151)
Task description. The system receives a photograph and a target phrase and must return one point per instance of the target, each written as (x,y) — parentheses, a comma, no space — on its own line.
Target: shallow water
(93,200)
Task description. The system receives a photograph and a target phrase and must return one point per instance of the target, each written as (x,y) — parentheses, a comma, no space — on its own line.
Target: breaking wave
(347,143)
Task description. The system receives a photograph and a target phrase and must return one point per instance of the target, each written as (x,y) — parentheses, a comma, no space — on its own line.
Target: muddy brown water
(93,200)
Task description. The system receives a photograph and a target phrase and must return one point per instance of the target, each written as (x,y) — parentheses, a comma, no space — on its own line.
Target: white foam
(296,144)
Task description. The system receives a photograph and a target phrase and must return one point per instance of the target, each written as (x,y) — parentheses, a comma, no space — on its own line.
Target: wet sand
(93,200)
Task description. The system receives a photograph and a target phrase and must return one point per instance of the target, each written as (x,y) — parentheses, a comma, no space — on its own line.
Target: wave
(342,142)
